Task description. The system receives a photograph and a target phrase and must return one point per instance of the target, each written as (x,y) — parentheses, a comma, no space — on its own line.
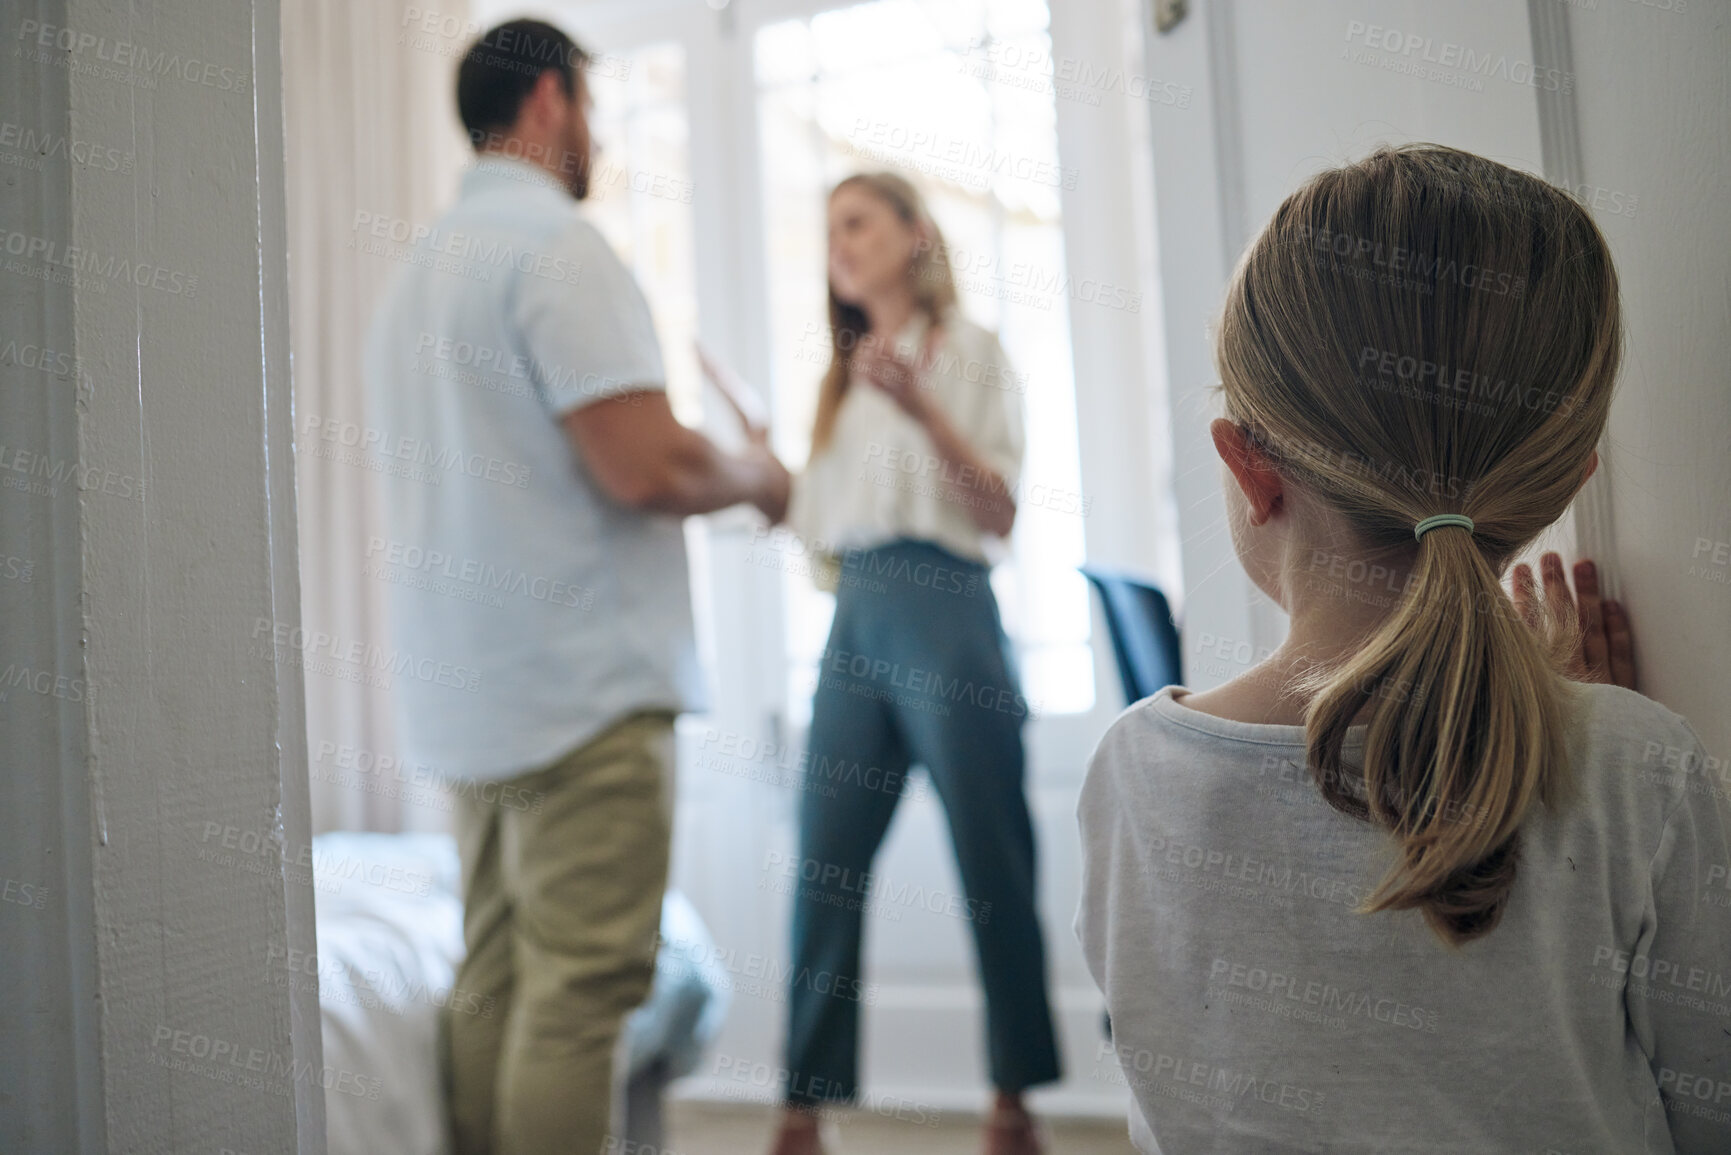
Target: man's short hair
(500,69)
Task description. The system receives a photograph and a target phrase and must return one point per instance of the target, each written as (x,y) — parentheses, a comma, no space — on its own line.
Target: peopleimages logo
(491,363)
(1032,281)
(308,644)
(919,688)
(964,156)
(1064,76)
(53,254)
(1396,264)
(40,474)
(55,363)
(124,55)
(367,440)
(431,240)
(828,877)
(470,578)
(38,145)
(229,1062)
(46,683)
(1281,989)
(1670,972)
(363,761)
(1411,49)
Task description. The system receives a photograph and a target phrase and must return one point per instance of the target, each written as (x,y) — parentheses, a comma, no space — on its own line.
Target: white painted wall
(1281,93)
(1284,91)
(155,778)
(1653,101)
(48,1041)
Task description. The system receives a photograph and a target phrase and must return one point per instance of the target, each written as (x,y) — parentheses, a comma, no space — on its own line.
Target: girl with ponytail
(1416,882)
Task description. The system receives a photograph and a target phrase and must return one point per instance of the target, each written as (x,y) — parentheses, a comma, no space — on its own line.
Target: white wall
(1282,91)
(162,533)
(49,1041)
(1285,90)
(1654,101)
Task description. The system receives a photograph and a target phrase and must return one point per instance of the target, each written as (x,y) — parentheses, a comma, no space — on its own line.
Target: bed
(389,920)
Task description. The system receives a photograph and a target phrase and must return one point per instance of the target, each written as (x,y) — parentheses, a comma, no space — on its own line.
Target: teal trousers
(917,672)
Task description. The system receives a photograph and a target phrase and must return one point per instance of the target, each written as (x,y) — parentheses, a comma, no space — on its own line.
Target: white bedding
(390,934)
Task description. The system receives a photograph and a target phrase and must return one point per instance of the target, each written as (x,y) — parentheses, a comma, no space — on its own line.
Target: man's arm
(643,458)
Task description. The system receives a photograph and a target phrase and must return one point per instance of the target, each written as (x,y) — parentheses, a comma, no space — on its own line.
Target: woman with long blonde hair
(910,491)
(1421,880)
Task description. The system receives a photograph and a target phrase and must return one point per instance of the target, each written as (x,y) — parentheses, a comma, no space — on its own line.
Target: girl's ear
(1251,469)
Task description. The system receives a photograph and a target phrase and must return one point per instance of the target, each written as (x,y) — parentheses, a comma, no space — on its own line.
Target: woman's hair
(929,275)
(1423,332)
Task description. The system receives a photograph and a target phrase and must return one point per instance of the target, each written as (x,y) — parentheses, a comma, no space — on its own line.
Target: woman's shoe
(800,1133)
(1011,1131)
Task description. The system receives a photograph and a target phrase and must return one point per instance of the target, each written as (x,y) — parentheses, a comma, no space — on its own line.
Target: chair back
(1144,636)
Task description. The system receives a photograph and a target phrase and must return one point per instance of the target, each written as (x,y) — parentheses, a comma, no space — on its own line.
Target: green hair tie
(1441,519)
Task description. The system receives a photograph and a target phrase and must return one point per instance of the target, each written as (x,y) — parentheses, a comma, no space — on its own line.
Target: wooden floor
(724,1129)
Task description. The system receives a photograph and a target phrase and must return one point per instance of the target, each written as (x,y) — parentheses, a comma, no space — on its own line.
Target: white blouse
(880,477)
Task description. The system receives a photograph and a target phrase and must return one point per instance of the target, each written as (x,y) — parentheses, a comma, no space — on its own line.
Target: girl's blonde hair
(929,274)
(1422,332)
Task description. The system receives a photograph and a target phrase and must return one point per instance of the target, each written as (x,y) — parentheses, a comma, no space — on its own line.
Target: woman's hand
(1605,651)
(746,403)
(899,377)
(775,485)
(984,493)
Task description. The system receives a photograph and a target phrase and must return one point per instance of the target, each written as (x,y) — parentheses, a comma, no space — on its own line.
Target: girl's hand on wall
(1605,649)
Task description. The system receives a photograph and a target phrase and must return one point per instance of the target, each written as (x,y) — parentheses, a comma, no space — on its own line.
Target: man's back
(529,610)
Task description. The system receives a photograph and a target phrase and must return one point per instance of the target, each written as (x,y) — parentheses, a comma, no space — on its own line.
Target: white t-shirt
(1253,1010)
(880,478)
(540,610)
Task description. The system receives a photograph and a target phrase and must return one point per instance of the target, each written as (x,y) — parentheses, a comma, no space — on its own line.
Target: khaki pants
(561,911)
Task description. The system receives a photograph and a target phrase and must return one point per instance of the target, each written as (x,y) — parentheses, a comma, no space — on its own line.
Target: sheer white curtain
(371,129)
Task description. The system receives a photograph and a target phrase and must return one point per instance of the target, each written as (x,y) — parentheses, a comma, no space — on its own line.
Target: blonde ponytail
(1453,762)
(1465,704)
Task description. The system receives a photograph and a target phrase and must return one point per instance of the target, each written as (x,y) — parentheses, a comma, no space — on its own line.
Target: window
(640,192)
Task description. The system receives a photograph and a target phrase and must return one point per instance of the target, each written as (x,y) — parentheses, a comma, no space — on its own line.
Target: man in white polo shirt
(535,482)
